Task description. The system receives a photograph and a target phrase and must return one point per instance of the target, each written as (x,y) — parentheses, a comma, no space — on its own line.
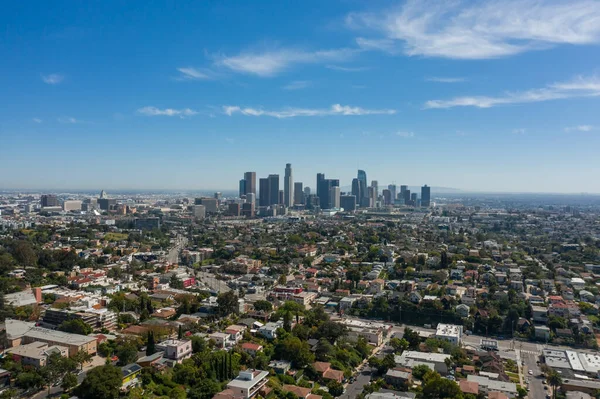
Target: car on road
(530,372)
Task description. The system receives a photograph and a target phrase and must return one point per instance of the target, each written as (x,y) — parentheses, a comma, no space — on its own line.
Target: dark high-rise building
(362,180)
(273,189)
(356,189)
(248,209)
(250,178)
(298,194)
(234,209)
(306,192)
(402,191)
(49,200)
(413,199)
(348,203)
(263,192)
(387,197)
(288,186)
(312,201)
(242,187)
(106,203)
(320,178)
(281,198)
(425,196)
(324,190)
(393,191)
(407,197)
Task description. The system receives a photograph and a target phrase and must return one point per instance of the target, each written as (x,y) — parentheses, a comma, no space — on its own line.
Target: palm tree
(555,381)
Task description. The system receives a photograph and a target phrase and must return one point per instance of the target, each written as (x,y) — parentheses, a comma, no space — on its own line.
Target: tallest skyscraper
(362,182)
(288,186)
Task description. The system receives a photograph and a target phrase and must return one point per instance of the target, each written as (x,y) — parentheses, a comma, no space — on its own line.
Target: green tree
(205,389)
(263,306)
(29,380)
(227,303)
(81,358)
(69,382)
(412,337)
(75,326)
(101,383)
(127,352)
(24,253)
(198,344)
(295,350)
(151,344)
(335,388)
(331,331)
(420,370)
(399,344)
(436,387)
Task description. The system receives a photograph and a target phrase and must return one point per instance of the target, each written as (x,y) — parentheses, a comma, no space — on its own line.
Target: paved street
(173,254)
(536,387)
(212,282)
(362,379)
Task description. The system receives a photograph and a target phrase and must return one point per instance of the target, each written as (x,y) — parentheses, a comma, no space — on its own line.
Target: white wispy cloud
(387,45)
(37,120)
(439,79)
(273,62)
(154,111)
(580,128)
(335,109)
(482,29)
(346,69)
(53,78)
(230,140)
(189,73)
(578,87)
(68,119)
(519,131)
(405,135)
(297,85)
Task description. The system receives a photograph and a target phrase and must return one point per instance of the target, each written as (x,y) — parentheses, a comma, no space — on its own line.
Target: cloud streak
(274,62)
(297,85)
(576,88)
(154,111)
(405,135)
(53,78)
(334,110)
(580,128)
(346,69)
(68,120)
(479,30)
(189,73)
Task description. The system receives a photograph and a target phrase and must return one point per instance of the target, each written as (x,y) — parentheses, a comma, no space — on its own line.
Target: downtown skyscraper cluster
(328,195)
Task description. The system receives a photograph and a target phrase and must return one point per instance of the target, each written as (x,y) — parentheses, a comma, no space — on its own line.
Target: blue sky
(490,96)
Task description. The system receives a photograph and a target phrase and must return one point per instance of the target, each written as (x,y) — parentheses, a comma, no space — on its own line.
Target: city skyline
(130,97)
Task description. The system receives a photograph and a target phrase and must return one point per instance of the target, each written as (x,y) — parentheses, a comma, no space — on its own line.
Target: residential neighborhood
(470,298)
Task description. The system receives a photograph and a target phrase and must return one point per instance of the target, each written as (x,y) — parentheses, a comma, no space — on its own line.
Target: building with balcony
(247,384)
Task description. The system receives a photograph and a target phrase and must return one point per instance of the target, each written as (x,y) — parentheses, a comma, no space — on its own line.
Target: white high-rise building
(334,195)
(288,186)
